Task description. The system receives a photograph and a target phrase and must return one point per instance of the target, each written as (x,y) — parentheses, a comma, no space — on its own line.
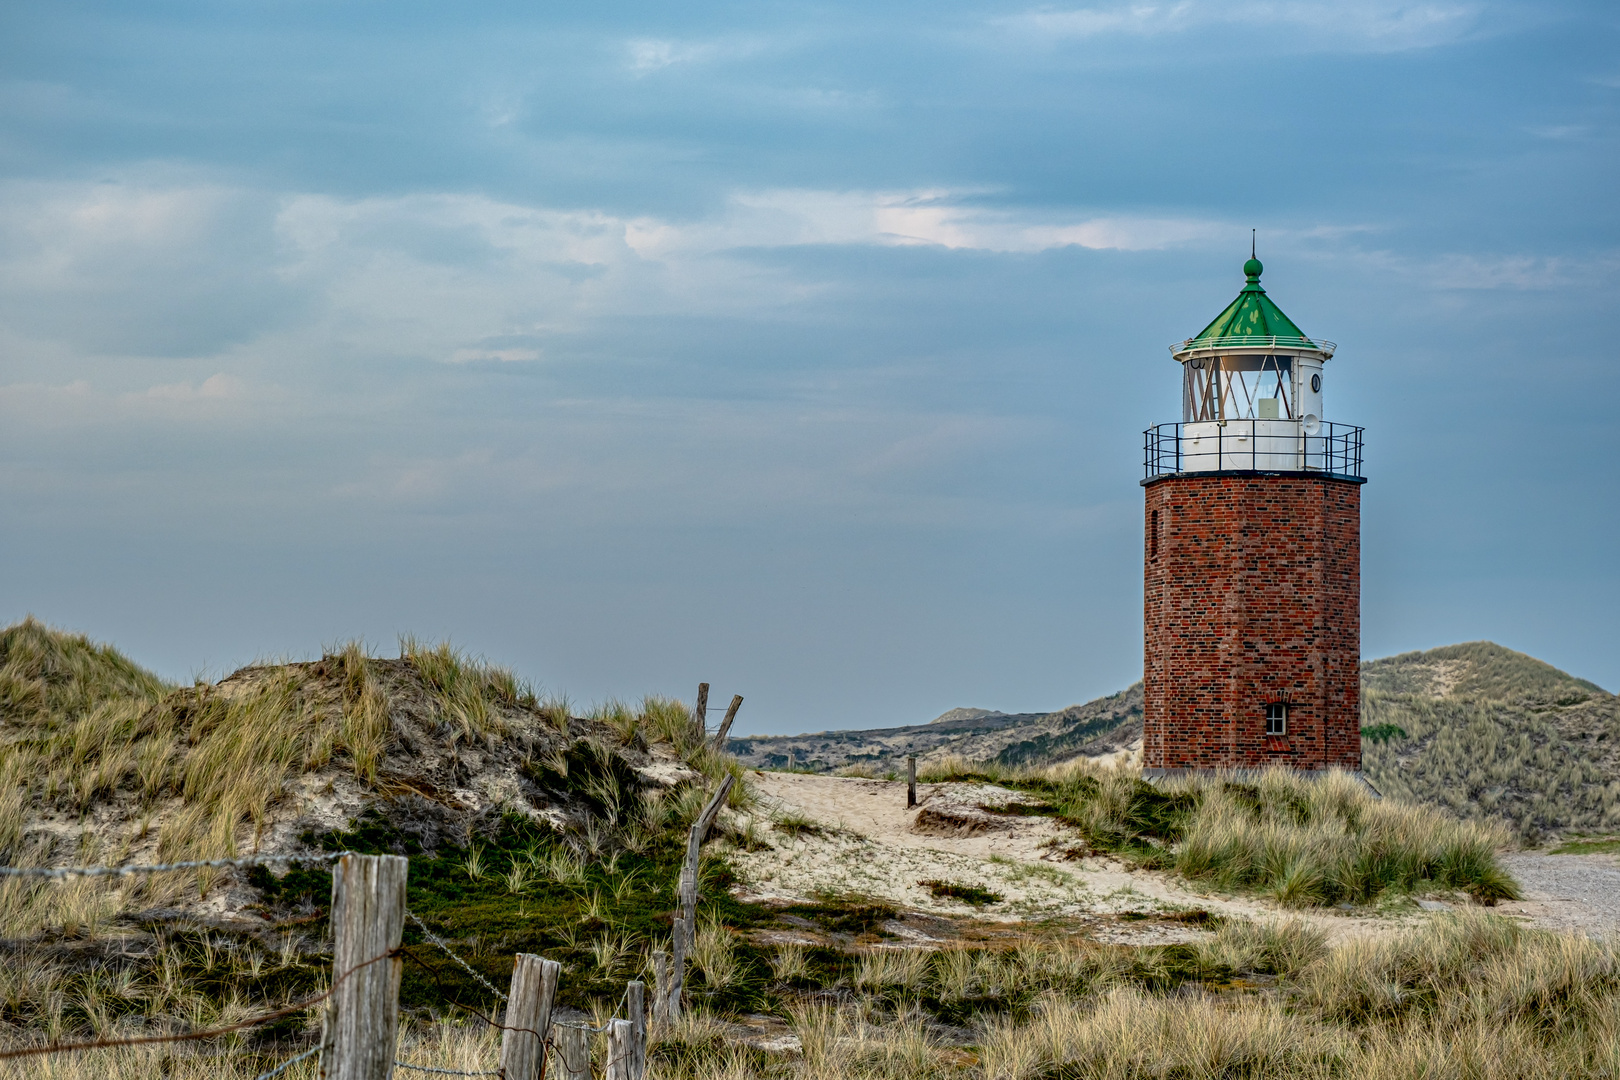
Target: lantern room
(1251,396)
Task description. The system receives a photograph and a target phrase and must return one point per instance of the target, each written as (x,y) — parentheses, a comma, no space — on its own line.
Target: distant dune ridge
(1480,729)
(1102,726)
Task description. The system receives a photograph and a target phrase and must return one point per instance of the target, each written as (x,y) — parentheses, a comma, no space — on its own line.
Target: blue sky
(804,348)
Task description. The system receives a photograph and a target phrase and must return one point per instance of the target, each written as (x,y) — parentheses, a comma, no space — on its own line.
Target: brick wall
(1253,595)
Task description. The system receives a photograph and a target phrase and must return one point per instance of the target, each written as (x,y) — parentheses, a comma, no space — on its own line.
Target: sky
(801,348)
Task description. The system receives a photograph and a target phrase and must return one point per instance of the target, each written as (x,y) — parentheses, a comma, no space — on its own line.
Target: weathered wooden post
(700,711)
(677,971)
(694,847)
(620,1054)
(725,725)
(362,1015)
(528,1016)
(635,1002)
(911,781)
(660,1001)
(573,1052)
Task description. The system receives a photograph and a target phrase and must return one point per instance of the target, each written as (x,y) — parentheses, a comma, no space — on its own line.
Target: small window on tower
(1276,718)
(1153,536)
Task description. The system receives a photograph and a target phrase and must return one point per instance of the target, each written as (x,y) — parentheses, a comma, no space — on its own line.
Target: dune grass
(1488,733)
(84,722)
(1466,995)
(468,1047)
(1302,842)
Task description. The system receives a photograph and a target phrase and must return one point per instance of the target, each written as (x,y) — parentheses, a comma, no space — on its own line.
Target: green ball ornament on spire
(1251,270)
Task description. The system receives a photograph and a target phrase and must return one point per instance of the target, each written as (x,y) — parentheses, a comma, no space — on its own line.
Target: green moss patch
(958,890)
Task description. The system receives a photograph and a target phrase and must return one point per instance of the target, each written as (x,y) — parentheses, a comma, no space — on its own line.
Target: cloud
(1561,132)
(654,54)
(645,56)
(498,356)
(1489,271)
(203,270)
(1516,272)
(140,269)
(466,278)
(1316,25)
(217,387)
(940,218)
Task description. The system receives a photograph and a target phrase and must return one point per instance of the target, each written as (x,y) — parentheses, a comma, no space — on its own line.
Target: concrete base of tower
(1249,776)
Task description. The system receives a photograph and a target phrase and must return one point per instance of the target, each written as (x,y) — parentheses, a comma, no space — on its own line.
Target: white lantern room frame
(1249,403)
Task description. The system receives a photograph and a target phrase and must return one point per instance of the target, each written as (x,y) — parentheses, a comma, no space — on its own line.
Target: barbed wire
(160,868)
(289,1063)
(447,1072)
(448,951)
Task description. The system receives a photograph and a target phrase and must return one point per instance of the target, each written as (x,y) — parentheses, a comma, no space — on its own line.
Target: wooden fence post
(911,781)
(687,888)
(528,1016)
(677,972)
(635,1001)
(687,891)
(620,1055)
(362,1015)
(660,1001)
(700,712)
(725,725)
(574,1052)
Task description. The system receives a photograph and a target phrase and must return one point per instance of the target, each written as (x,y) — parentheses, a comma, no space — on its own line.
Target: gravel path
(1567,892)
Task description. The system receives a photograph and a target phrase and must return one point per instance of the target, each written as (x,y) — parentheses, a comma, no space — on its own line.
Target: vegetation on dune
(1479,669)
(1491,734)
(967,892)
(1301,842)
(205,767)
(1463,995)
(84,726)
(590,882)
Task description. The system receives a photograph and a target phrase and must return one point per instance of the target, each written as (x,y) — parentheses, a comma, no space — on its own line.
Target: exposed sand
(873,846)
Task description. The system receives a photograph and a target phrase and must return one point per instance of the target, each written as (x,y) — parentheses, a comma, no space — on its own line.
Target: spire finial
(1252,268)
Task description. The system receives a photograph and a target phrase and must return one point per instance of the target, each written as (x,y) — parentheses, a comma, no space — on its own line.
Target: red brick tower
(1252,607)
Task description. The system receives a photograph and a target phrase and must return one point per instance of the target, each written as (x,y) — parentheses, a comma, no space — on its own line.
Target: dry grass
(1302,842)
(1283,947)
(443,1045)
(1490,733)
(1132,1034)
(1465,996)
(1307,842)
(714,951)
(85,725)
(467,689)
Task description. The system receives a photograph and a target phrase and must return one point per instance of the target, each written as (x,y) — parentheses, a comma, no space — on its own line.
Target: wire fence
(451,953)
(632,1049)
(448,1072)
(193,1036)
(289,1063)
(163,868)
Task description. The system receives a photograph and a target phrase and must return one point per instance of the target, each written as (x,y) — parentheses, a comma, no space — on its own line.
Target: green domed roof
(1252,320)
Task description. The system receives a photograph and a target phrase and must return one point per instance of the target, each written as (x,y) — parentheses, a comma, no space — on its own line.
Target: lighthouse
(1252,556)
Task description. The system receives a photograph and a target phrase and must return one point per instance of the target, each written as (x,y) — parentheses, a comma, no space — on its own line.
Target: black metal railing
(1252,446)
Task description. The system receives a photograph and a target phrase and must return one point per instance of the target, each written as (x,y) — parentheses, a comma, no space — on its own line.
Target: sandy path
(1567,892)
(877,851)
